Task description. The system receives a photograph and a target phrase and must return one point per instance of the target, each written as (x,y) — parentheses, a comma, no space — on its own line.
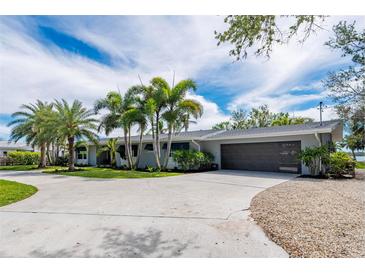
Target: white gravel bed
(314,217)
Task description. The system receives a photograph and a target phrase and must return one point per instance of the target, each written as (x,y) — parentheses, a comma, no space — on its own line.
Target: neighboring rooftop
(12,145)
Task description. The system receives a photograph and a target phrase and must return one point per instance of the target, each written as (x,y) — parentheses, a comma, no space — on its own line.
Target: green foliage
(262,32)
(259,117)
(73,122)
(360,165)
(24,157)
(347,86)
(354,142)
(192,160)
(315,158)
(340,163)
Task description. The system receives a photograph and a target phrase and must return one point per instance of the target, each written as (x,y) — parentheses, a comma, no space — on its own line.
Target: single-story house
(6,147)
(272,149)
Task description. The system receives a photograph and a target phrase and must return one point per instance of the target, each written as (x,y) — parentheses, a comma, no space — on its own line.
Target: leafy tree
(262,32)
(31,124)
(283,119)
(354,142)
(347,86)
(239,119)
(74,122)
(226,125)
(259,117)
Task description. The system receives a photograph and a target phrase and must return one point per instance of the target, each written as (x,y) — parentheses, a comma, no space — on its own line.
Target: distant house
(6,147)
(273,149)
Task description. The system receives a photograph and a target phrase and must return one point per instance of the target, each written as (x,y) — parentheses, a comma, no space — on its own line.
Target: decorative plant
(315,158)
(340,164)
(191,159)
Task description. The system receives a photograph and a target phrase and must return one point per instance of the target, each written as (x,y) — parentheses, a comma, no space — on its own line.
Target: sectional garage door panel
(271,156)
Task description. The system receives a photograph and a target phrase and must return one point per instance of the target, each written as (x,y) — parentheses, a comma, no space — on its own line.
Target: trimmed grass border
(109,173)
(11,192)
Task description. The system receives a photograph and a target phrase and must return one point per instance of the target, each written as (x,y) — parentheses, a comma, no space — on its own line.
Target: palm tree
(178,109)
(111,148)
(156,103)
(74,122)
(117,117)
(31,124)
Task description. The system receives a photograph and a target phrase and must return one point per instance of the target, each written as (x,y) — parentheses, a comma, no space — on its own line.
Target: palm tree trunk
(157,143)
(126,149)
(139,152)
(130,147)
(168,149)
(43,160)
(157,159)
(48,154)
(353,154)
(71,154)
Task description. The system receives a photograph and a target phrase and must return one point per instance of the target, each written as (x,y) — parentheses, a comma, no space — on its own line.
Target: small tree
(315,158)
(111,148)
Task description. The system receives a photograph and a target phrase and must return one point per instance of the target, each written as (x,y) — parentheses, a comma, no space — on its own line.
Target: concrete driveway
(195,215)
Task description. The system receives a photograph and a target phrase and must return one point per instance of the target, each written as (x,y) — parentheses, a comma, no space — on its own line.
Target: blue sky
(84,57)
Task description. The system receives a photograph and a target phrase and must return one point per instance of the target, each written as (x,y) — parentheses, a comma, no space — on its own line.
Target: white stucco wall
(92,155)
(214,147)
(148,158)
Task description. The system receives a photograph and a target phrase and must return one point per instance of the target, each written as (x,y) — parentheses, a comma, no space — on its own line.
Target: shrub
(61,161)
(315,158)
(341,164)
(24,157)
(191,159)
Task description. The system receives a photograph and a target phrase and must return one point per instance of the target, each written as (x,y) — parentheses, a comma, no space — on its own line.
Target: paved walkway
(195,215)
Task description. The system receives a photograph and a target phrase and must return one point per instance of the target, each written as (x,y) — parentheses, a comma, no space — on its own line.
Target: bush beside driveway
(315,218)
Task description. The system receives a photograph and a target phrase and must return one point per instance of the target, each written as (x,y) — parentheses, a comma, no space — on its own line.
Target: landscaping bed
(11,192)
(315,217)
(97,172)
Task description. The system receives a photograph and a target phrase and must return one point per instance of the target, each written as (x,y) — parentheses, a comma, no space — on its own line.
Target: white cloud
(150,46)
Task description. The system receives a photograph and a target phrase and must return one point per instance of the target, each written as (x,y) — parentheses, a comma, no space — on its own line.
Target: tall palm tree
(157,99)
(117,107)
(178,109)
(31,124)
(74,122)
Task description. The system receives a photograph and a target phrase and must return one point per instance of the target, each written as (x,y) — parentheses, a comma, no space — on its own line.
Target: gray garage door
(273,156)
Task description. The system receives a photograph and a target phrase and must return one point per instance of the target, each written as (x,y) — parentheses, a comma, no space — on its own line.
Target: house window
(121,150)
(177,146)
(148,147)
(81,153)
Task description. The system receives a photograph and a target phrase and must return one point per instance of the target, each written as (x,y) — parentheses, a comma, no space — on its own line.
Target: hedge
(24,157)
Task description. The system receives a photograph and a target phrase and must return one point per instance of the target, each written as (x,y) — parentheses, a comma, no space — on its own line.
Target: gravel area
(314,217)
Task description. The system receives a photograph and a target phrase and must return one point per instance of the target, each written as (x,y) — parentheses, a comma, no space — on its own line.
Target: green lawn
(96,172)
(360,165)
(19,167)
(11,192)
(24,167)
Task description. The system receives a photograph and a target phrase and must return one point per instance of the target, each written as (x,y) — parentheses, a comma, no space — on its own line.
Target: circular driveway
(194,215)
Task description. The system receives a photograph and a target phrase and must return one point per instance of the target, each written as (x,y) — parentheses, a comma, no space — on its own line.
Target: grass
(19,167)
(11,192)
(23,167)
(360,165)
(96,172)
